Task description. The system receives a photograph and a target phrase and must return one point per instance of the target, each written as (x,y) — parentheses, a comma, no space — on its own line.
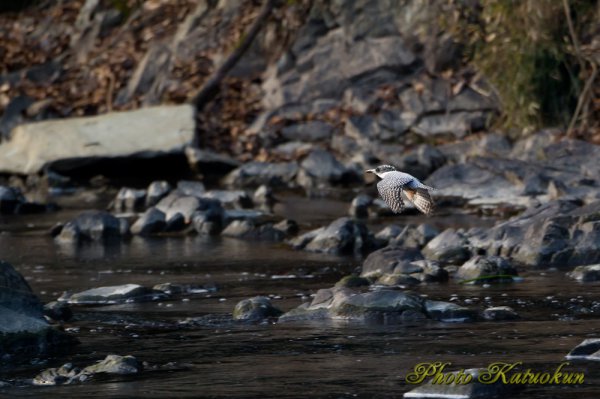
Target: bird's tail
(423,202)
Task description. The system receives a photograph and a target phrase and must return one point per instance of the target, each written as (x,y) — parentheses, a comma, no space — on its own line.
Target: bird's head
(381,170)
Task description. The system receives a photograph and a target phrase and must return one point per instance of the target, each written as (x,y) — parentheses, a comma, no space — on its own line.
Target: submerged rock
(255,309)
(500,313)
(111,295)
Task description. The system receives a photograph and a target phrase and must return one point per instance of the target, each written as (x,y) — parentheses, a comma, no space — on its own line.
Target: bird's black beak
(370,171)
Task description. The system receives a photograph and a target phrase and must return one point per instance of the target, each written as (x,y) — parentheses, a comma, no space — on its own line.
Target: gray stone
(255,309)
(451,246)
(352,282)
(449,312)
(230,198)
(309,131)
(500,313)
(24,332)
(585,273)
(587,348)
(254,174)
(176,223)
(189,188)
(207,162)
(185,205)
(10,199)
(209,221)
(486,269)
(420,162)
(359,207)
(263,197)
(129,199)
(391,260)
(414,236)
(58,311)
(247,230)
(388,232)
(143,133)
(156,191)
(111,295)
(91,226)
(151,222)
(320,168)
(342,236)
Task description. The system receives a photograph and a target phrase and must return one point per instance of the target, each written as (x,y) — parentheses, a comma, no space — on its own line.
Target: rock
(207,162)
(585,273)
(231,198)
(176,223)
(111,295)
(156,191)
(185,205)
(58,311)
(255,309)
(462,384)
(359,208)
(247,230)
(389,232)
(75,142)
(486,269)
(320,169)
(263,197)
(419,162)
(414,236)
(188,188)
(10,199)
(587,349)
(342,236)
(129,199)
(91,226)
(115,364)
(391,260)
(556,234)
(309,131)
(69,374)
(449,312)
(180,289)
(24,332)
(352,282)
(451,246)
(254,174)
(431,271)
(151,222)
(288,227)
(500,313)
(209,221)
(397,280)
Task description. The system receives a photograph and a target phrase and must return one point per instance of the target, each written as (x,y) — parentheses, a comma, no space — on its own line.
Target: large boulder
(559,233)
(451,246)
(24,330)
(71,143)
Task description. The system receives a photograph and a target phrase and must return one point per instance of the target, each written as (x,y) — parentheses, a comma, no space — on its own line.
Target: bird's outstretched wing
(392,195)
(422,200)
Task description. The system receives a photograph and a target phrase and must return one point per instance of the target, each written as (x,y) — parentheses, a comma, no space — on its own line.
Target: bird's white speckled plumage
(394,183)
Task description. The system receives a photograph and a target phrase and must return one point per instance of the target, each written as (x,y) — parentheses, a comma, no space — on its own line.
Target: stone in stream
(10,199)
(255,309)
(263,197)
(359,207)
(254,174)
(486,269)
(69,374)
(451,246)
(186,205)
(500,313)
(190,188)
(175,224)
(587,349)
(231,198)
(391,260)
(585,273)
(156,191)
(385,305)
(129,200)
(23,331)
(342,237)
(151,222)
(112,295)
(353,282)
(248,230)
(91,226)
(58,311)
(463,384)
(209,221)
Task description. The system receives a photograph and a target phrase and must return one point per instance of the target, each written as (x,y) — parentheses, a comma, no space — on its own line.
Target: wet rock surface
(91,226)
(486,270)
(342,236)
(255,309)
(111,295)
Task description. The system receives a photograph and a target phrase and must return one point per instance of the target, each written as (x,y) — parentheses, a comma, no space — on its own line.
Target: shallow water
(215,357)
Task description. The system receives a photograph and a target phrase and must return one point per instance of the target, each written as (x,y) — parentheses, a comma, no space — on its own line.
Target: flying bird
(393,183)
